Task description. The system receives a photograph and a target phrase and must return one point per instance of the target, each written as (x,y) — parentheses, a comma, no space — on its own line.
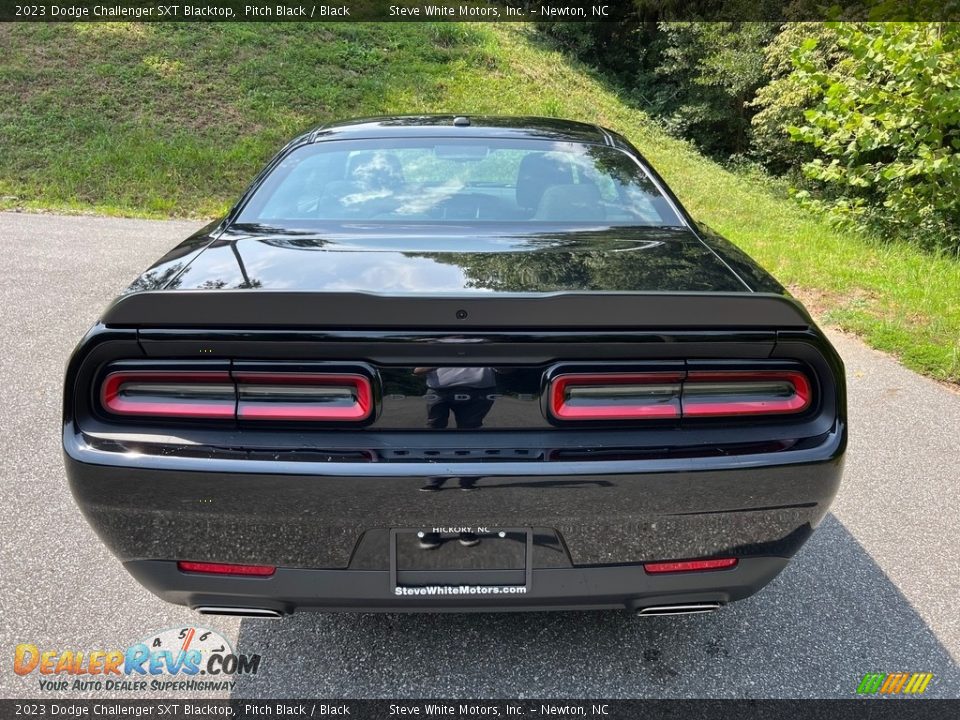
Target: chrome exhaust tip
(263,613)
(691,609)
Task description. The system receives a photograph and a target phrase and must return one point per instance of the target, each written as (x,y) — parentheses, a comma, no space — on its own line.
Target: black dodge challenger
(449,363)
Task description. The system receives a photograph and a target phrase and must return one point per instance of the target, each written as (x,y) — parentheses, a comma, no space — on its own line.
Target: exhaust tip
(691,609)
(263,613)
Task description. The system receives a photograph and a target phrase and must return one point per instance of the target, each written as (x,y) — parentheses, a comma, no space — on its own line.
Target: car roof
(538,128)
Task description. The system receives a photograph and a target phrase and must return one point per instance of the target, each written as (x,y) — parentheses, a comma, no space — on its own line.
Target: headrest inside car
(375,170)
(561,203)
(538,171)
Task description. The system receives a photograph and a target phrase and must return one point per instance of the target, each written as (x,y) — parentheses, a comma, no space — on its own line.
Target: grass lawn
(173,120)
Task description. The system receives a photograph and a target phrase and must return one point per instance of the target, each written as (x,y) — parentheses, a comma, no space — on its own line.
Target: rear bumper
(615,587)
(325,525)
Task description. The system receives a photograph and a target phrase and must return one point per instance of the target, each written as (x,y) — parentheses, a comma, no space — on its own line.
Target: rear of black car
(224,467)
(561,417)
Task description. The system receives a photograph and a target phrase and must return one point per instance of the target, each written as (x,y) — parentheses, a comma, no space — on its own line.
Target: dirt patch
(821,303)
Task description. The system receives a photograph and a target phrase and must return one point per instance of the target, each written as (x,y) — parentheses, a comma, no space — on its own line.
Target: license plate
(460,561)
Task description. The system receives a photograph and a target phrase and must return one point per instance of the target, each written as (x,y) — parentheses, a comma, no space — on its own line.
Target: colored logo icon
(894,683)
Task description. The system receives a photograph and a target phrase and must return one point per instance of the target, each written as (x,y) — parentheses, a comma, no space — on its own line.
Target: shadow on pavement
(832,616)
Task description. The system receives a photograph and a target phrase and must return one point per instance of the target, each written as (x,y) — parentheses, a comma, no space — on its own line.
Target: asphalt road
(875,589)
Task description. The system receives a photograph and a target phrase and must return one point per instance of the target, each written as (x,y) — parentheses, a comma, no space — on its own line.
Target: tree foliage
(886,129)
(780,103)
(873,109)
(708,73)
(696,77)
(621,50)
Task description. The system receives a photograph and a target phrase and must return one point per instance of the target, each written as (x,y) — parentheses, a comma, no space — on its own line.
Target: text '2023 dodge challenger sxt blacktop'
(438,363)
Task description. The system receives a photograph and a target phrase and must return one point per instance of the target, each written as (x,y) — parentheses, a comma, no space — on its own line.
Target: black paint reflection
(459,398)
(465,392)
(467,484)
(453,259)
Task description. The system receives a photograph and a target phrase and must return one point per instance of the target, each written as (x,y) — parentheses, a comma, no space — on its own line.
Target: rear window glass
(457,181)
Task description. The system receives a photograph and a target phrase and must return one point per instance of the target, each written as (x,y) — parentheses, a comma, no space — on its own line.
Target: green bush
(695,77)
(781,103)
(619,49)
(886,129)
(708,72)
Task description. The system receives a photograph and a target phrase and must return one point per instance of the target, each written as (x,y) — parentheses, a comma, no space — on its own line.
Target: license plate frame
(485,580)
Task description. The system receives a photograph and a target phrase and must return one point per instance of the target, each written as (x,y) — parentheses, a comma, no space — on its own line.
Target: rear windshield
(457,181)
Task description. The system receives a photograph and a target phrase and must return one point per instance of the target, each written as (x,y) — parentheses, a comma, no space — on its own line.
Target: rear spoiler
(274,309)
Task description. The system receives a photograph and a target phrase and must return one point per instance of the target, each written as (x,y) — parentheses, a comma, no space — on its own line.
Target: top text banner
(630,11)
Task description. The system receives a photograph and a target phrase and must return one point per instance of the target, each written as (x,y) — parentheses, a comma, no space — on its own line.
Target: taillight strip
(675,395)
(731,393)
(627,396)
(187,394)
(303,396)
(264,396)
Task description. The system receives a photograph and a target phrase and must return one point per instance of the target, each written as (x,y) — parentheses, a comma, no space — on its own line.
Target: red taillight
(690,565)
(190,394)
(666,395)
(303,396)
(226,569)
(173,393)
(627,396)
(735,393)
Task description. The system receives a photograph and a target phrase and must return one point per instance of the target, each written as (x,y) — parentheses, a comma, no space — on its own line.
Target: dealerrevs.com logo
(182,659)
